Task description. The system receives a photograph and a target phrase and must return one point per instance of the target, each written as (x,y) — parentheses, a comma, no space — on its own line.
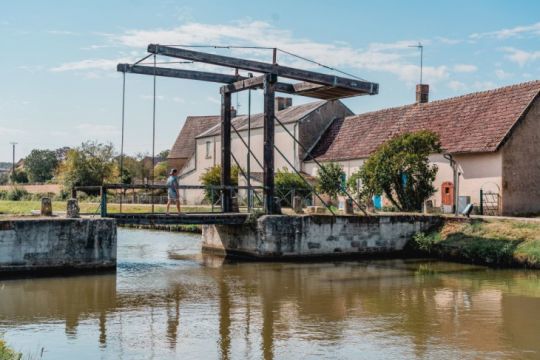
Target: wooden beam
(178,73)
(226,195)
(363,87)
(195,75)
(244,84)
(268,147)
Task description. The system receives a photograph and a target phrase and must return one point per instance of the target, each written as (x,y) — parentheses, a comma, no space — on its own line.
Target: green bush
(3,195)
(17,194)
(62,196)
(285,181)
(424,242)
(330,179)
(212,177)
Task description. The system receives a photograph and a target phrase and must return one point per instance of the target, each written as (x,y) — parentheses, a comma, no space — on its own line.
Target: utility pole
(13,162)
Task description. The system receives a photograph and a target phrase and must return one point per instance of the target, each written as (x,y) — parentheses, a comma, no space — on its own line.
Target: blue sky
(59,85)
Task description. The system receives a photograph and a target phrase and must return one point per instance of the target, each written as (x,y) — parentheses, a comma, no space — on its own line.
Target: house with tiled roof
(184,145)
(493,137)
(198,146)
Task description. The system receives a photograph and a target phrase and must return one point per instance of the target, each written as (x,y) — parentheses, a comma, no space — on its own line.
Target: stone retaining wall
(44,244)
(281,236)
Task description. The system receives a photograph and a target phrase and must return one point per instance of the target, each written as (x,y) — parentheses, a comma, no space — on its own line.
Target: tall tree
(400,169)
(40,165)
(90,164)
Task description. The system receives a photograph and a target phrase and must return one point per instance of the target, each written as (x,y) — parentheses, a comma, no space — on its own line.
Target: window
(208,148)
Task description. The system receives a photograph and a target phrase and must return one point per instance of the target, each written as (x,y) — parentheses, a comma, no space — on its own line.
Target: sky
(59,85)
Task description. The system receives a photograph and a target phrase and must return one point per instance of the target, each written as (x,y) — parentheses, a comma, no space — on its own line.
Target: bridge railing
(153,197)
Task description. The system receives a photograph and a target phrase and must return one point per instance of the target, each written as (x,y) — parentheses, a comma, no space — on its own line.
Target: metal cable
(269,48)
(322,65)
(122,141)
(154,132)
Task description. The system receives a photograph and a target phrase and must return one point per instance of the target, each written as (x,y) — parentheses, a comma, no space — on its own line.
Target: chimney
(282,103)
(233,112)
(422,93)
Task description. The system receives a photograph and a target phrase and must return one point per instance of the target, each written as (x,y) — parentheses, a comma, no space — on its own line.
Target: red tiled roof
(288,115)
(477,122)
(184,146)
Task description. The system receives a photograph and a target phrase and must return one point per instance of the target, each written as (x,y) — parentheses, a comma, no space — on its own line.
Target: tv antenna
(420,47)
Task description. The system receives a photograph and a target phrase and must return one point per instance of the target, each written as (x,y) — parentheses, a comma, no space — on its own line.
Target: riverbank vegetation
(490,242)
(7,353)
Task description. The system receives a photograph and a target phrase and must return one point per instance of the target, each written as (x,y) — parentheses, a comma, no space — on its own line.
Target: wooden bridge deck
(180,219)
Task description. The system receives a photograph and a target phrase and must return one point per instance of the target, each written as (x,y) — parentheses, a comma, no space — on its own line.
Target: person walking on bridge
(173,194)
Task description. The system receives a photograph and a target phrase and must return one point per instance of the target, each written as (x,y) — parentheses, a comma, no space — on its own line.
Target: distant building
(494,137)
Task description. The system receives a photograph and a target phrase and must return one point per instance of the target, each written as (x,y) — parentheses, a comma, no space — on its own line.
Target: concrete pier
(282,236)
(57,244)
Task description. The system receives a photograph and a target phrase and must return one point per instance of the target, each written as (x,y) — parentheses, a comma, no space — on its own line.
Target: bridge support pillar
(226,194)
(268,152)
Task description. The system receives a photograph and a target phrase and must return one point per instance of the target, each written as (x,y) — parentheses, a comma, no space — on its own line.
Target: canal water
(167,301)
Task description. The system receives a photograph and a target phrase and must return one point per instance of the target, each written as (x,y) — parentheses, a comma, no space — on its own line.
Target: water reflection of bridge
(256,306)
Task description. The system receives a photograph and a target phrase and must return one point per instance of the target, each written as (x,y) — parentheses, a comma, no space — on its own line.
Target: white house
(493,136)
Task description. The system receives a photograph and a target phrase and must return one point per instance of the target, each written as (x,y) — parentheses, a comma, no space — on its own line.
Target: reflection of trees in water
(262,304)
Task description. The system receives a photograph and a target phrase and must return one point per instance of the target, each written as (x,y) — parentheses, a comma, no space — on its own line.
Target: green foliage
(163,155)
(138,167)
(4,178)
(329,179)
(6,353)
(17,194)
(19,177)
(212,177)
(90,164)
(286,181)
(400,169)
(161,170)
(126,177)
(425,242)
(40,165)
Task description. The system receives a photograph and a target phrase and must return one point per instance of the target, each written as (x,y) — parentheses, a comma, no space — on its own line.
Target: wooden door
(447,193)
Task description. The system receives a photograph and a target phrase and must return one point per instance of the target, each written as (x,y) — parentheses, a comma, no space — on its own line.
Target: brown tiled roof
(477,122)
(288,115)
(184,146)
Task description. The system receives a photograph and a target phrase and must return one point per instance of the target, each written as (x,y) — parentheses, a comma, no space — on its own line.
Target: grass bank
(25,207)
(491,242)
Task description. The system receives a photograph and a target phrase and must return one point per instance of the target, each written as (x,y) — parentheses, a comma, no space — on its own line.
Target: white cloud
(465,68)
(61,32)
(484,85)
(90,64)
(533,29)
(5,131)
(178,99)
(501,74)
(447,41)
(382,57)
(456,85)
(521,57)
(97,130)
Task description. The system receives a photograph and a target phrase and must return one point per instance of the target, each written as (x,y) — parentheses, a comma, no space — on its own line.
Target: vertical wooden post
(226,196)
(103,202)
(268,153)
(481,202)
